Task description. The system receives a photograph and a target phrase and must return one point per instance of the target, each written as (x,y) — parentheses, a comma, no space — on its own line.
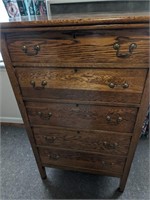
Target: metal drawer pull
(110,145)
(36,49)
(45,116)
(111,85)
(50,139)
(124,55)
(43,84)
(54,156)
(124,85)
(32,83)
(117,120)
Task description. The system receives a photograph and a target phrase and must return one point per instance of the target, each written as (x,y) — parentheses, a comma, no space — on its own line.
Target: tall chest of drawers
(82,88)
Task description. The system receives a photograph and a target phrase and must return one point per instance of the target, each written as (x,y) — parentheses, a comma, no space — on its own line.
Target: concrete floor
(20,178)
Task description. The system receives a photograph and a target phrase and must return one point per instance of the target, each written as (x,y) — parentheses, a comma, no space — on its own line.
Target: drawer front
(91,117)
(95,141)
(115,85)
(93,46)
(82,160)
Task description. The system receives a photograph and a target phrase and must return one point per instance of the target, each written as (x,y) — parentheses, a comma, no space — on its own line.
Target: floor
(20,178)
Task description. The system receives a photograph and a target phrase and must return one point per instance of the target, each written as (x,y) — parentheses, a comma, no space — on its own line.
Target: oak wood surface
(77,19)
(83,84)
(83,160)
(94,141)
(16,89)
(75,120)
(80,46)
(136,134)
(82,116)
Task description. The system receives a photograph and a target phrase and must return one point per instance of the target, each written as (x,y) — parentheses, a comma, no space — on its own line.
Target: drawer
(106,85)
(94,141)
(80,47)
(77,116)
(82,160)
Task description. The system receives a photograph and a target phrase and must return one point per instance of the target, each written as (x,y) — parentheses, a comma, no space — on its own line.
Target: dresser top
(76,19)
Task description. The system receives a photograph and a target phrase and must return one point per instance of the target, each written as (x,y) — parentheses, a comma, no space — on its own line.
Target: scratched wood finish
(83,160)
(83,84)
(93,46)
(94,141)
(82,116)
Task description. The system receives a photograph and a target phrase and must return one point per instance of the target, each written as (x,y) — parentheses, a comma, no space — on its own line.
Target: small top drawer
(75,48)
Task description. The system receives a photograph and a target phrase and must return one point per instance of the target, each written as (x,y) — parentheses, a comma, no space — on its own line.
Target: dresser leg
(122,184)
(42,172)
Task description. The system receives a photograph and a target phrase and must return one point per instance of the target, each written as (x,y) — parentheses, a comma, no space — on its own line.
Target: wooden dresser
(81,83)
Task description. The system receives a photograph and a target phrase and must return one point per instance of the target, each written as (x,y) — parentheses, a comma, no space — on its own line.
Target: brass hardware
(43,83)
(119,119)
(32,83)
(115,120)
(125,85)
(54,156)
(108,118)
(50,139)
(111,85)
(110,145)
(45,116)
(36,49)
(132,46)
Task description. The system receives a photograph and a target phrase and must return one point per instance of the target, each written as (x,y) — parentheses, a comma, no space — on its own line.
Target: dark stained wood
(82,116)
(83,65)
(84,46)
(94,141)
(131,105)
(77,19)
(85,27)
(83,84)
(82,160)
(16,89)
(136,134)
(75,122)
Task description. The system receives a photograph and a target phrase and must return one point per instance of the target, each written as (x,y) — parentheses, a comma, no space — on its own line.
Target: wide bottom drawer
(82,160)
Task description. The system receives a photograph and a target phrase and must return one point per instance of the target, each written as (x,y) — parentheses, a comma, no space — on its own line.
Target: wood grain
(136,134)
(93,46)
(17,92)
(94,141)
(82,160)
(82,84)
(77,19)
(76,120)
(82,116)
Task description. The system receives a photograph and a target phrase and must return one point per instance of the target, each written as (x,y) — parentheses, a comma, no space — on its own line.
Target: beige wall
(9,111)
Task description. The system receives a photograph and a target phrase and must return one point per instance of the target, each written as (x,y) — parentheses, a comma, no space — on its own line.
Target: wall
(9,111)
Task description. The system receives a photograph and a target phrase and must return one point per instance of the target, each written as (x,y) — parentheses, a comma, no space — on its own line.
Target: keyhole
(74,35)
(75,70)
